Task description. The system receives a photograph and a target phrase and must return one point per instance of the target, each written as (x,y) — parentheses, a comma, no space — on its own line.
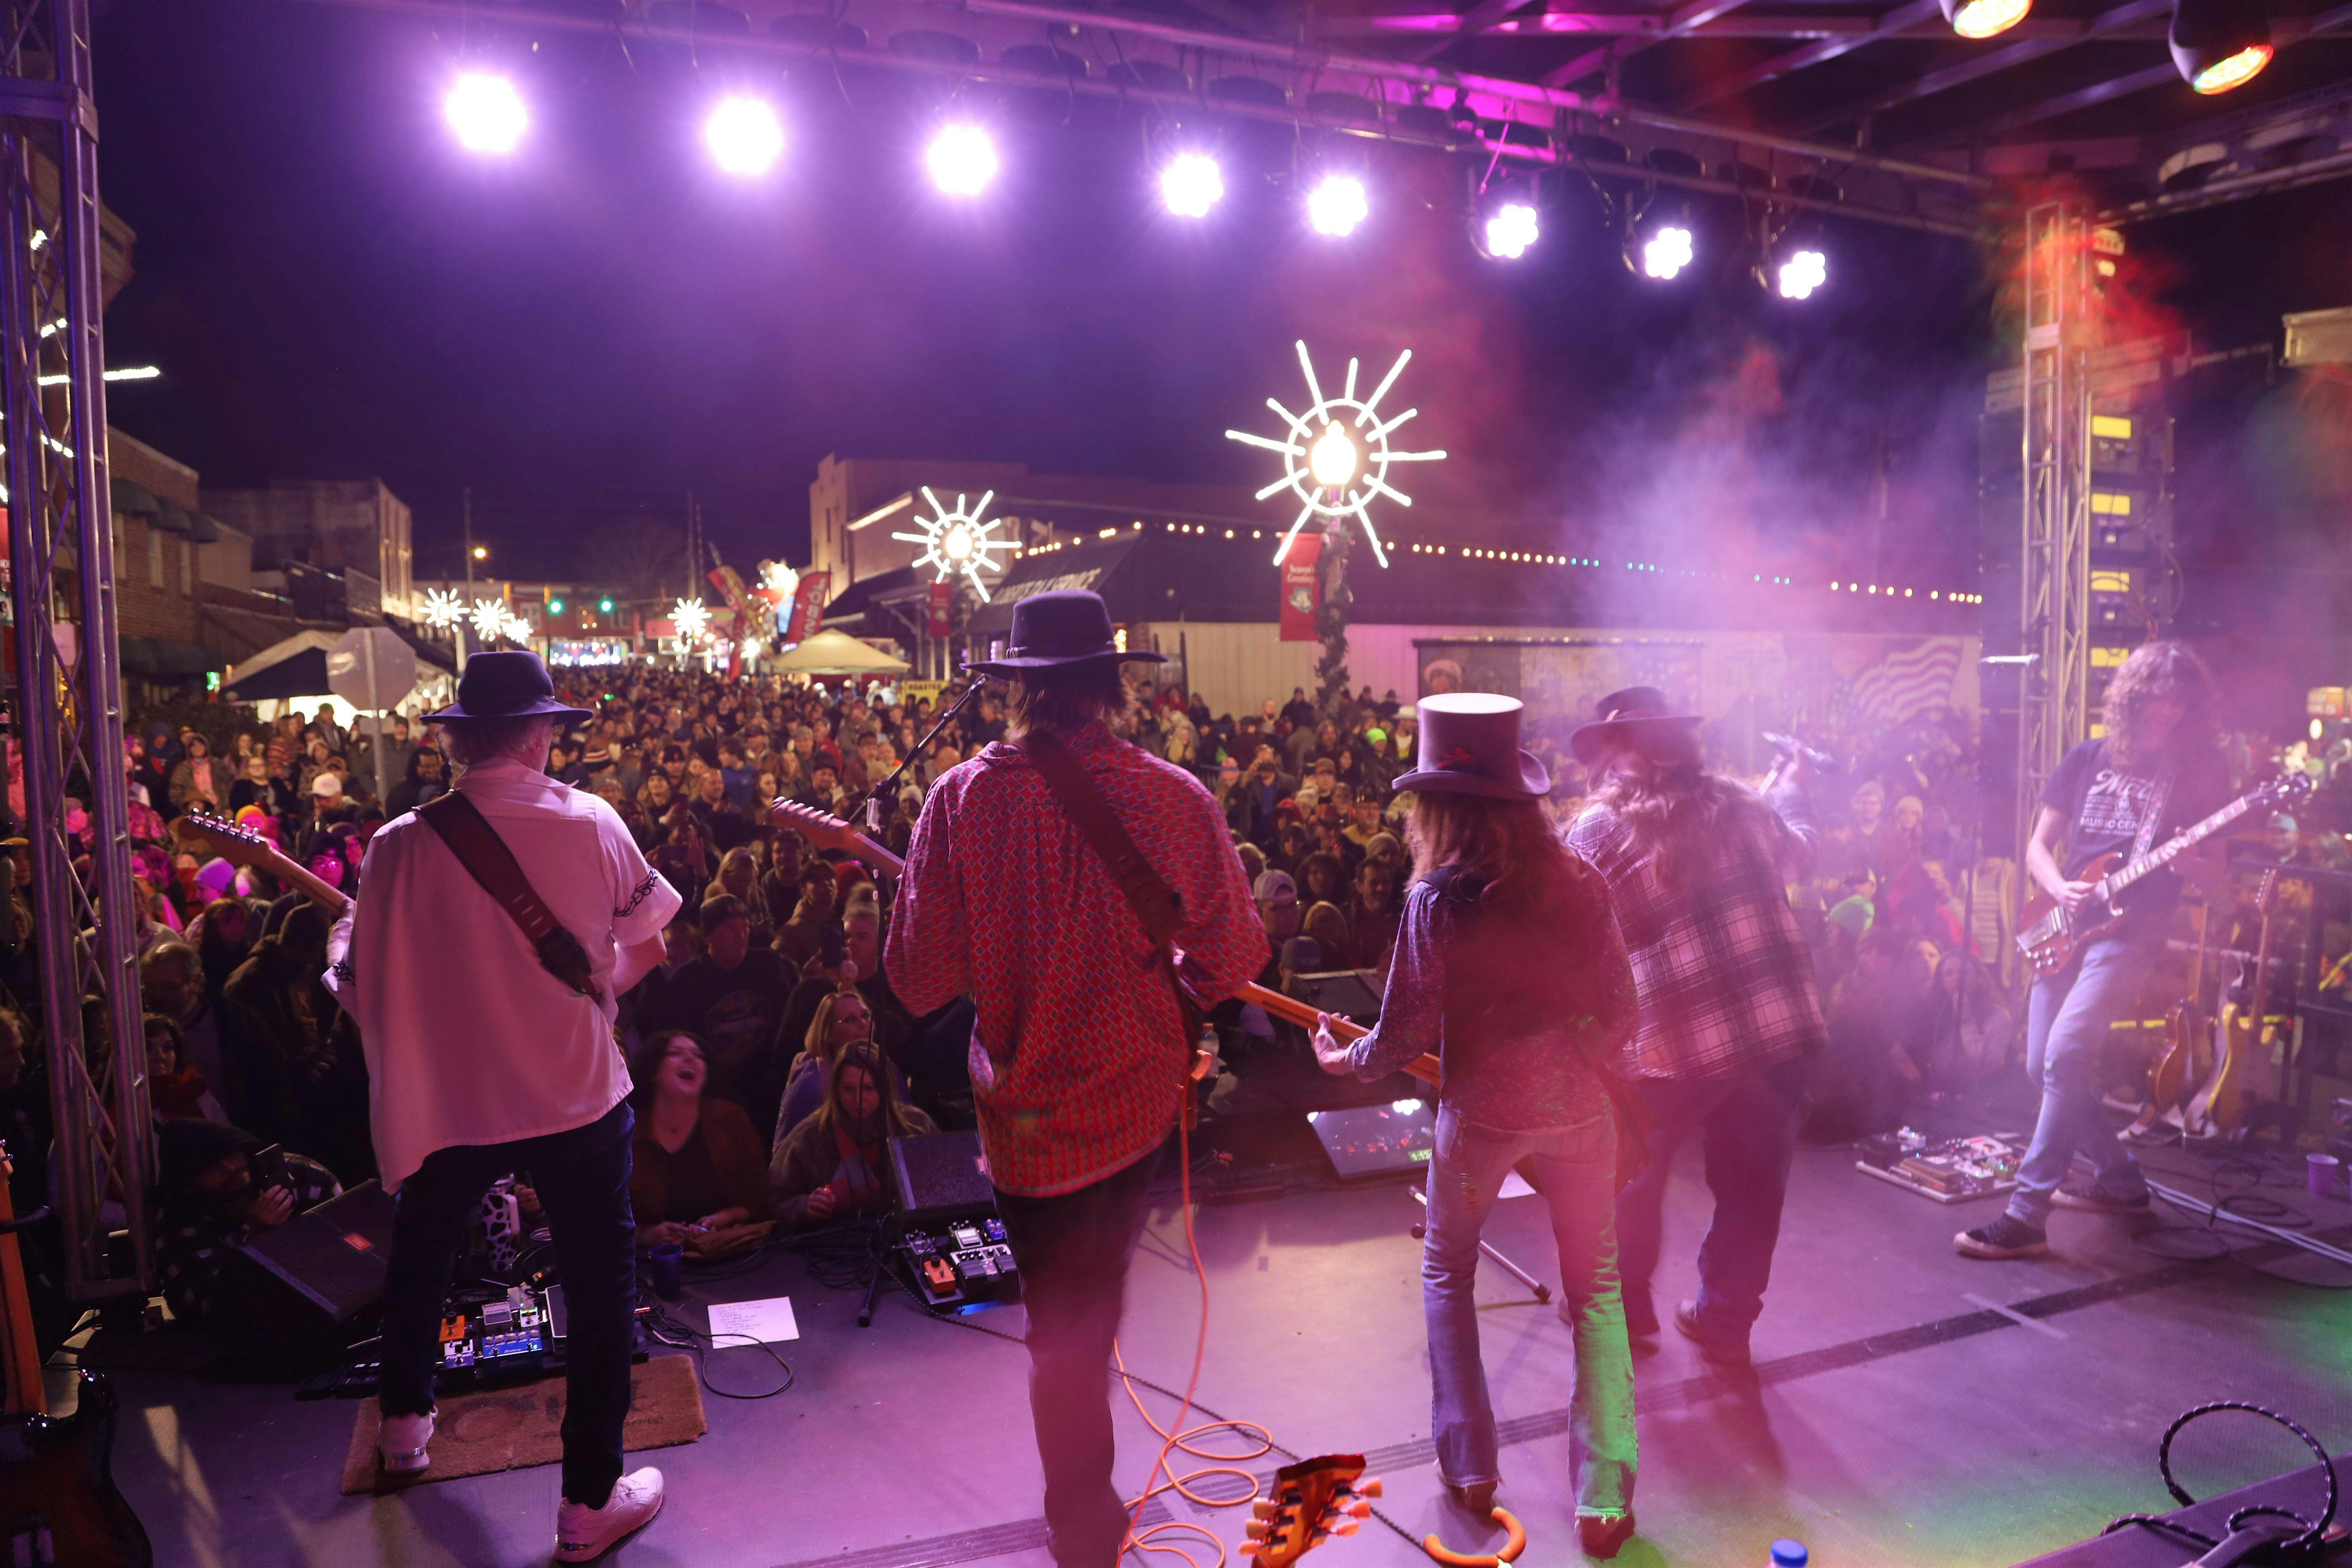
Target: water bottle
(1788,1555)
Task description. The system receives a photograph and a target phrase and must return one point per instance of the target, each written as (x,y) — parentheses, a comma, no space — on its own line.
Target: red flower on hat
(1458,757)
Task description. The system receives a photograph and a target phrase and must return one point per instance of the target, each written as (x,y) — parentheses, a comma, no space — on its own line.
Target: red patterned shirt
(1080,1055)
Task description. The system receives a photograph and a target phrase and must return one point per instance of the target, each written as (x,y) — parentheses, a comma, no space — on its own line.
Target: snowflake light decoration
(489,620)
(958,540)
(442,609)
(517,629)
(1336,456)
(691,619)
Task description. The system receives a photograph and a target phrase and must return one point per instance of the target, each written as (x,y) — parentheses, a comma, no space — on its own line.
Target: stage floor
(1910,1408)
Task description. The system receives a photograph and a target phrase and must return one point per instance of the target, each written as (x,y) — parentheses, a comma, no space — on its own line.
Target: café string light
(1336,456)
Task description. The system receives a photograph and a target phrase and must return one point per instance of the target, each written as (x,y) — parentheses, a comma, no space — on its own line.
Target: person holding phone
(834,1165)
(222,1187)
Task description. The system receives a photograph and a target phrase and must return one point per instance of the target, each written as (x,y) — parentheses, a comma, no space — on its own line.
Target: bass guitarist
(2157,769)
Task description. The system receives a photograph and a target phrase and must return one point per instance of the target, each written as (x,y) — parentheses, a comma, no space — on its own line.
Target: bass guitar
(2050,938)
(2243,1038)
(240,848)
(58,1504)
(1313,1501)
(829,832)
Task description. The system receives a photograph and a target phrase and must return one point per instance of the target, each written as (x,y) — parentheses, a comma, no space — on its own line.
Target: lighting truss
(958,540)
(1336,456)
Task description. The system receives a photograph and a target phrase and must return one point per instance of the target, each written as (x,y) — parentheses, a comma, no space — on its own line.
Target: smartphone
(268,1168)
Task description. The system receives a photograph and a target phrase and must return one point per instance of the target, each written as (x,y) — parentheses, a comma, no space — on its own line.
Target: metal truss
(2055,699)
(68,688)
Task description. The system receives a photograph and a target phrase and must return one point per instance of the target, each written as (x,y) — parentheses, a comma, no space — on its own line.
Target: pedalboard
(479,1338)
(1947,1170)
(960,1263)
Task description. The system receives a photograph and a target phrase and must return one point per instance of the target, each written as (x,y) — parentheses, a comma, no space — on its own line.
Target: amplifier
(941,1177)
(291,1294)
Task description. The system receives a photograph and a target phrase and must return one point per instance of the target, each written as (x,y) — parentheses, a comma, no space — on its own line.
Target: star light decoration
(517,629)
(958,541)
(691,619)
(442,609)
(490,617)
(1336,456)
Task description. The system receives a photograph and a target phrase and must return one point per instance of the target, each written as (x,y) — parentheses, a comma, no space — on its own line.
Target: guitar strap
(486,859)
(1155,903)
(2146,839)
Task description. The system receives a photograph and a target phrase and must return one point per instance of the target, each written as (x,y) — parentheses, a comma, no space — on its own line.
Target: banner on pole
(942,609)
(1302,589)
(807,613)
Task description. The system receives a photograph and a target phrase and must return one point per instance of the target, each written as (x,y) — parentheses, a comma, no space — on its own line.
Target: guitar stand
(1542,1290)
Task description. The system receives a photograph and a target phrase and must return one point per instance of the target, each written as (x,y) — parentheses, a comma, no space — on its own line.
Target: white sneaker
(583,1534)
(400,1443)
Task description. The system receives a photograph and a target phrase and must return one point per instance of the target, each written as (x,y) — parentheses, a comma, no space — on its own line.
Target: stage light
(485,113)
(1191,184)
(745,135)
(2217,44)
(1983,18)
(963,160)
(1511,230)
(1337,204)
(1801,273)
(1667,251)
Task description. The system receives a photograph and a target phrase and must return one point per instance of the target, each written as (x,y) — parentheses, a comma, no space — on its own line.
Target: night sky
(601,322)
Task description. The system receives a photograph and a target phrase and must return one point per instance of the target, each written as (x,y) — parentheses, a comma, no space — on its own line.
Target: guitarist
(2157,769)
(1080,1054)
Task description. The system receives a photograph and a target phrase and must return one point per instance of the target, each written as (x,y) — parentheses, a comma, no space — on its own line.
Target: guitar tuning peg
(1346,1527)
(1257,1529)
(1249,1548)
(1264,1508)
(1359,1510)
(1368,1489)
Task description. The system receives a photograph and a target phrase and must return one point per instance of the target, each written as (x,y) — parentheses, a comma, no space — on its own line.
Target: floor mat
(515,1429)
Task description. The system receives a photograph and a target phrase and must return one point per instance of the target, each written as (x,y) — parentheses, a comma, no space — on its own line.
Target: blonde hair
(817,1042)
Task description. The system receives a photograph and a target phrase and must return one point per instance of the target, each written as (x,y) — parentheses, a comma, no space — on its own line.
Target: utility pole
(466,504)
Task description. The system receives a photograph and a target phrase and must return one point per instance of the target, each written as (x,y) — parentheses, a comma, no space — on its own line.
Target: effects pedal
(961,1263)
(475,1337)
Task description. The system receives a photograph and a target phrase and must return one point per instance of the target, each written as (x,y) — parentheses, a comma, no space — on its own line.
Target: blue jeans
(1576,1169)
(1073,1252)
(583,1178)
(1747,1123)
(2066,1021)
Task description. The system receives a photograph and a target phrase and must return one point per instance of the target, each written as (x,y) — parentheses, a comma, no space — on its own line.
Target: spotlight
(485,113)
(1667,251)
(1803,272)
(745,135)
(2217,44)
(1983,18)
(1191,184)
(963,160)
(1337,204)
(1510,231)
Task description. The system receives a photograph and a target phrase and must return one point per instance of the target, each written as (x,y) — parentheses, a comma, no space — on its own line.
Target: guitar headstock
(1313,1501)
(233,844)
(2287,789)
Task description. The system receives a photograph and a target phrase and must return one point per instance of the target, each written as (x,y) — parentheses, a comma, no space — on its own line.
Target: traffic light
(604,607)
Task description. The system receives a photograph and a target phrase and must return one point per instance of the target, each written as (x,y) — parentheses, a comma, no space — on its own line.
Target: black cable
(662,1326)
(2312,1530)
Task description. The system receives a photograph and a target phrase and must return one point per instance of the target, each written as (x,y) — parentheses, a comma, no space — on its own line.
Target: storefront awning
(161,656)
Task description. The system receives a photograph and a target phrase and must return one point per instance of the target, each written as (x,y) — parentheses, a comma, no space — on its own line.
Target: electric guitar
(829,832)
(240,848)
(2243,1036)
(59,1505)
(2050,937)
(1313,1501)
(2187,1029)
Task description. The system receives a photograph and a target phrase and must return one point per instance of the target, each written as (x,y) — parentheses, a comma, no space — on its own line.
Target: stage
(1909,1407)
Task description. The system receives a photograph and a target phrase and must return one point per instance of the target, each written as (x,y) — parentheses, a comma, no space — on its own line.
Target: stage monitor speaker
(941,1177)
(1376,1140)
(289,1295)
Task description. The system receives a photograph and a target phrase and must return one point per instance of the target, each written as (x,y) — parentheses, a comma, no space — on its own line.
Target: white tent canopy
(837,653)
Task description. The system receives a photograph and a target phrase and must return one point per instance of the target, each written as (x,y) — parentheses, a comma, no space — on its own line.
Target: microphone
(1791,746)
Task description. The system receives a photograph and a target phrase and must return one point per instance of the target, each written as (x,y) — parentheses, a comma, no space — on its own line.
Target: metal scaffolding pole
(69,689)
(2054,696)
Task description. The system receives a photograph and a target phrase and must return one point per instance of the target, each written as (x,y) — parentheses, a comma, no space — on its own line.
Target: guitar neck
(319,890)
(881,859)
(2157,859)
(1305,1015)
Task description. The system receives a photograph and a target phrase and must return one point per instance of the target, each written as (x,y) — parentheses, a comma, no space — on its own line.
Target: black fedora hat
(1626,715)
(1064,626)
(1470,745)
(510,683)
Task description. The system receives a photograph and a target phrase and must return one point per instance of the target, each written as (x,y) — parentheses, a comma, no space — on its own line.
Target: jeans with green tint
(1575,1168)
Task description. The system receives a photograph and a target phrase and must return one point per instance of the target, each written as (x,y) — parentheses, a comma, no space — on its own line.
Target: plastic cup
(2324,1174)
(668,1262)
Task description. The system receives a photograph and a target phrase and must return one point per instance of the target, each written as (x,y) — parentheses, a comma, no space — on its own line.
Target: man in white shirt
(481,1062)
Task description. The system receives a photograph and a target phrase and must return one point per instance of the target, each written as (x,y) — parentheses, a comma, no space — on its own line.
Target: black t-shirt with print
(2106,807)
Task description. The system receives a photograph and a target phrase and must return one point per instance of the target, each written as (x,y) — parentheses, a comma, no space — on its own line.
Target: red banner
(808,606)
(1302,589)
(942,608)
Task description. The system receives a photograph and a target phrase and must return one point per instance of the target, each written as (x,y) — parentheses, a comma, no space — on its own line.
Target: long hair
(647,1061)
(817,1042)
(867,1060)
(1066,697)
(1508,845)
(1673,806)
(2158,669)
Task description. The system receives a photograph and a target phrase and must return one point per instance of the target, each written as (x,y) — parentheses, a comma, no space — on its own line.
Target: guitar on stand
(59,1505)
(2242,1041)
(2188,1040)
(2050,938)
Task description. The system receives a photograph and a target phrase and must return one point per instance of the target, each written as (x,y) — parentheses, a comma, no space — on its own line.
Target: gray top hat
(1064,626)
(1470,744)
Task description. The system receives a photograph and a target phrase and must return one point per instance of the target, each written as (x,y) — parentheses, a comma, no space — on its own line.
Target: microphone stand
(869,803)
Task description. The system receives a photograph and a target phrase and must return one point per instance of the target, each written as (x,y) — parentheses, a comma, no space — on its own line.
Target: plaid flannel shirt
(1724,977)
(1078,1056)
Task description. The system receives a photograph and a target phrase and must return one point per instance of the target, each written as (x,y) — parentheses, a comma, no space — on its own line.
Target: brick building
(356,529)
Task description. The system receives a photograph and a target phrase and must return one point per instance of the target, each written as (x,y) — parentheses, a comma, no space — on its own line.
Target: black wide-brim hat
(1626,715)
(1064,626)
(510,683)
(1470,745)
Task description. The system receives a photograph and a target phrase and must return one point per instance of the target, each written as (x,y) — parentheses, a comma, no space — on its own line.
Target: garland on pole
(1332,619)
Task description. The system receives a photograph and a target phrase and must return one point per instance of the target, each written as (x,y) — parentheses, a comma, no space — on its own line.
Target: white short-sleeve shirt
(468,1039)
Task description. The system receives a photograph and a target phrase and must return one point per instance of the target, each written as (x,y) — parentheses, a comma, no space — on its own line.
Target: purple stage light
(1191,184)
(963,160)
(1337,204)
(745,135)
(485,113)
